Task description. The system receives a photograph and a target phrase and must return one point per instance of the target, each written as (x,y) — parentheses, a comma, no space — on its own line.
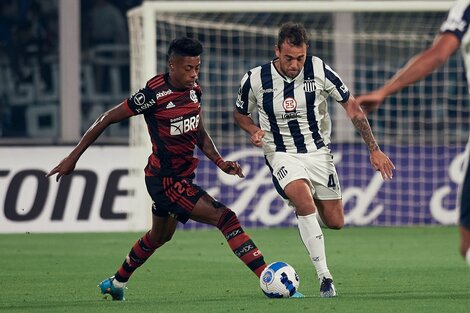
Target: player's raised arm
(114,115)
(416,69)
(380,161)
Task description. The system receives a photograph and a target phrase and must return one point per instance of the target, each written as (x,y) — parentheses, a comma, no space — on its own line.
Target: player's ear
(277,50)
(170,62)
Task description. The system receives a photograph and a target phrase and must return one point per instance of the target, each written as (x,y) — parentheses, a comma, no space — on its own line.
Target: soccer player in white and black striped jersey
(290,95)
(454,33)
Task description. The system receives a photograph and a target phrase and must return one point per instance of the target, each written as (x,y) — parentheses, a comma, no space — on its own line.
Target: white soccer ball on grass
(279,280)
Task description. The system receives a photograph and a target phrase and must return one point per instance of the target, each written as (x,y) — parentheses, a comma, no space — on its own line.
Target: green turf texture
(375,269)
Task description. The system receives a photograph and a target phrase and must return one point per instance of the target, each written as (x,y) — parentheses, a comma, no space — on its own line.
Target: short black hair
(185,47)
(293,33)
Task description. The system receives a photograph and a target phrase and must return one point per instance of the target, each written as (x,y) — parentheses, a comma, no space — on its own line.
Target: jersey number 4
(331,181)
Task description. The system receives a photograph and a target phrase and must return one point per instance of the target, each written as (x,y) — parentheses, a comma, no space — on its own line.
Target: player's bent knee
(336,226)
(337,223)
(168,237)
(226,216)
(158,240)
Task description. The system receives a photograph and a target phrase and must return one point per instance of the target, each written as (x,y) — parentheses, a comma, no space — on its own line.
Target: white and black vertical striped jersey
(292,112)
(457,23)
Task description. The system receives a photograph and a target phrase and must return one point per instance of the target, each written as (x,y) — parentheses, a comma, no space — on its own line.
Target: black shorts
(464,218)
(173,196)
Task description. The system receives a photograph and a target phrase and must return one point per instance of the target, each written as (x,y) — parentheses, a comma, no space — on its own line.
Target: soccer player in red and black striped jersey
(171,105)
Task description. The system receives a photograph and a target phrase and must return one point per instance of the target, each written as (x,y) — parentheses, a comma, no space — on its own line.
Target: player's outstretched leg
(312,237)
(240,243)
(139,253)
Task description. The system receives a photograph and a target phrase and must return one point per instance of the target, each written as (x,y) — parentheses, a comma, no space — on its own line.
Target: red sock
(240,243)
(139,253)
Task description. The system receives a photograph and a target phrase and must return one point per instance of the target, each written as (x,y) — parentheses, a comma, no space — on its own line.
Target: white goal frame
(148,8)
(146,51)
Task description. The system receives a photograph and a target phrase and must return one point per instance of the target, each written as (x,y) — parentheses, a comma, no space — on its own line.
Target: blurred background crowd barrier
(30,69)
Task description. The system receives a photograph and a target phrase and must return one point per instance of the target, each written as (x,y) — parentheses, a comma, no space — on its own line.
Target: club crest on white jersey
(292,112)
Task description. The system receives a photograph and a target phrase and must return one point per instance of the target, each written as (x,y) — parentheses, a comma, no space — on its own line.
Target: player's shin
(139,253)
(240,243)
(312,237)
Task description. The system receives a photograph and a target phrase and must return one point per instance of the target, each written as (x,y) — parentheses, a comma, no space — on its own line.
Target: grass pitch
(375,270)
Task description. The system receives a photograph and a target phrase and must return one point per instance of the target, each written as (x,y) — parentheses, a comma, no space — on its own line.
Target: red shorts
(173,196)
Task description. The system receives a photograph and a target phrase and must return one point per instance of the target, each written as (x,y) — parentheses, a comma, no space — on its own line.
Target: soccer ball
(279,280)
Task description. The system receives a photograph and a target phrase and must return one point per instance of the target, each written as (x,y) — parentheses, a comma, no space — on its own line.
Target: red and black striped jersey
(172,117)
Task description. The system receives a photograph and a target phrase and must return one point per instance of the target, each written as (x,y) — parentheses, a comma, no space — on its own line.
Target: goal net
(424,128)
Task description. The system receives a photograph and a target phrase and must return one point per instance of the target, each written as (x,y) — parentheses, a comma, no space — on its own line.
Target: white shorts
(317,168)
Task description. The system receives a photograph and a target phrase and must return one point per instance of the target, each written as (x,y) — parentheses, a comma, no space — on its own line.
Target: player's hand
(232,168)
(369,102)
(257,137)
(65,167)
(381,162)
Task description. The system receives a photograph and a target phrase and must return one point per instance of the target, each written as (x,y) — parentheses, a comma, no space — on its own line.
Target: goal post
(424,128)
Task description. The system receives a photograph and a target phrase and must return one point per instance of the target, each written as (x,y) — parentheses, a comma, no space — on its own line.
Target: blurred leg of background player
(464,218)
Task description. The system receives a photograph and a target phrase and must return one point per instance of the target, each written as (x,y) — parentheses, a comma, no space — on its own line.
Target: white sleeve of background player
(334,85)
(457,21)
(246,99)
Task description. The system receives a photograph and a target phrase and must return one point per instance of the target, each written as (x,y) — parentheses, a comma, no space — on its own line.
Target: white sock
(467,257)
(118,284)
(312,237)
